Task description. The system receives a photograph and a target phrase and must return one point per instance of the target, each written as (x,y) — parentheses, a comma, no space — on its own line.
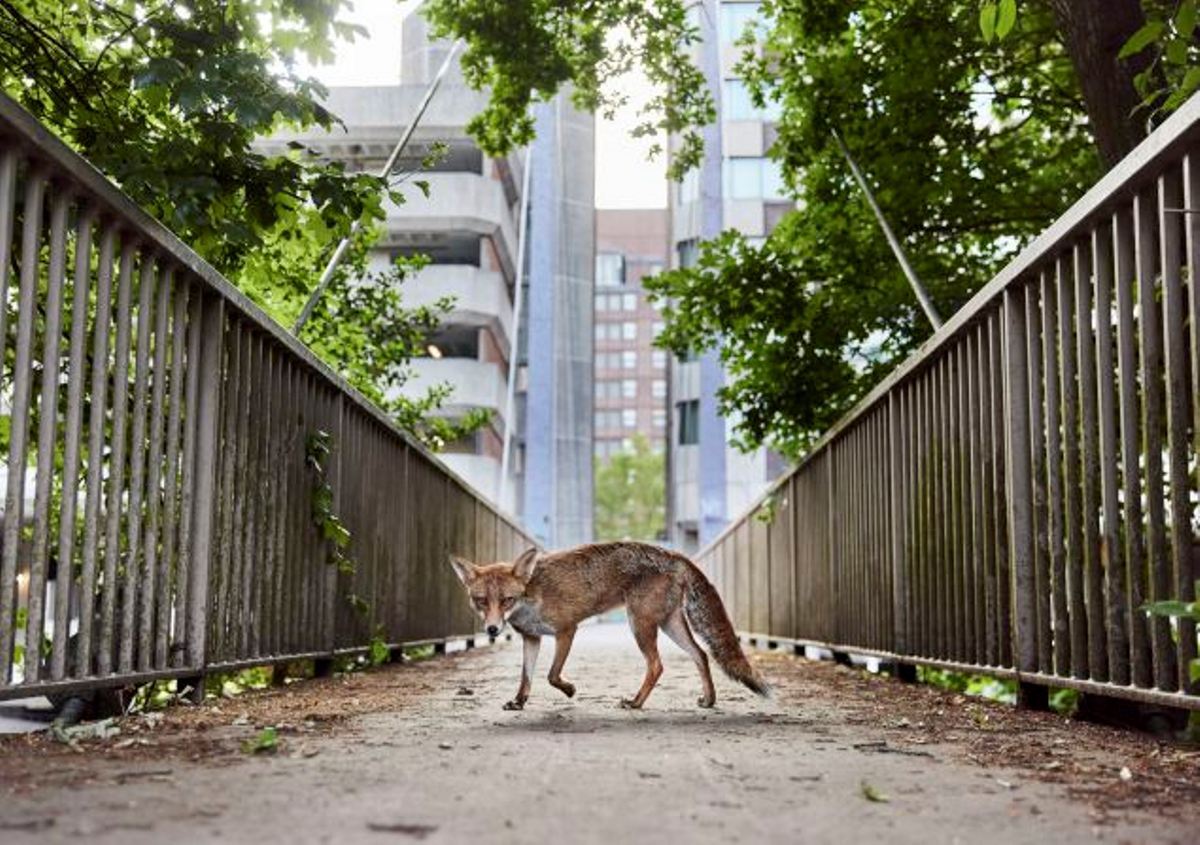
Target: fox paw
(706,702)
(630,704)
(515,704)
(568,689)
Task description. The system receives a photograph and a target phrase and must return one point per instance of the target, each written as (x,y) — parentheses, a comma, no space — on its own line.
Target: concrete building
(736,187)
(631,375)
(468,225)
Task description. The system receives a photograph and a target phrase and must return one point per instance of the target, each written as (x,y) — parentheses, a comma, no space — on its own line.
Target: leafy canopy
(945,127)
(525,52)
(167,98)
(630,494)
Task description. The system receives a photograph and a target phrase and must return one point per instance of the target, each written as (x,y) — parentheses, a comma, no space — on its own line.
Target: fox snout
(492,630)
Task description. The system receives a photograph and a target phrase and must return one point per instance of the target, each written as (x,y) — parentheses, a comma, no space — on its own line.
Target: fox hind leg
(676,627)
(562,647)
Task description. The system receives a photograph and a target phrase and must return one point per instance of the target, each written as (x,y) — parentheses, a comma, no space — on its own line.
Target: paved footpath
(445,763)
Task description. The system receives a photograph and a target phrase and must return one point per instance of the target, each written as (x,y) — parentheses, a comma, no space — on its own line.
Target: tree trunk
(1094,32)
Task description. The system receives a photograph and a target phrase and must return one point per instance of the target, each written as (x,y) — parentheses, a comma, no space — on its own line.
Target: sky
(624,176)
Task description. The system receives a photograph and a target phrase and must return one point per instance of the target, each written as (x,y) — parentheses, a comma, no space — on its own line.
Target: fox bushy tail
(707,616)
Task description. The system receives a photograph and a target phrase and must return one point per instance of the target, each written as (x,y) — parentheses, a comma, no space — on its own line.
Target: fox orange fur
(551,593)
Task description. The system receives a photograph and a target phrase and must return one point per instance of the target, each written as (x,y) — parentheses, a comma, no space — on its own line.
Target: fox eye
(507,602)
(480,601)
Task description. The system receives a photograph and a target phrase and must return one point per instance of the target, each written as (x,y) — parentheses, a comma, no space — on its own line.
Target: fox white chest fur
(527,619)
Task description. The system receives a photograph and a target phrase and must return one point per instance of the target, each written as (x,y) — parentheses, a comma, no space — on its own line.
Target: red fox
(550,594)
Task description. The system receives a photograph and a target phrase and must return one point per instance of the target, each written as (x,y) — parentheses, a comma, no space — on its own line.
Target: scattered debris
(872,794)
(267,742)
(416,831)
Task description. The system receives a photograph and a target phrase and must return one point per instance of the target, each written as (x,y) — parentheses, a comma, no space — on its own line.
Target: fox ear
(524,565)
(464,569)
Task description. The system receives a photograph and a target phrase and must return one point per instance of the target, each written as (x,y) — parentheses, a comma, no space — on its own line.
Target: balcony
(458,202)
(477,384)
(481,297)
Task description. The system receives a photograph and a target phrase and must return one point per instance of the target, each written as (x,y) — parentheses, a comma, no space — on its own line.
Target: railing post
(895,497)
(207,415)
(1019,494)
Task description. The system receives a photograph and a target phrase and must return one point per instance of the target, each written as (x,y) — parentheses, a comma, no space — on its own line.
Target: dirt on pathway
(423,751)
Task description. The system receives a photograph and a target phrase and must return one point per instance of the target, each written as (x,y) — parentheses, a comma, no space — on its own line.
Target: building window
(688,188)
(656,328)
(629,360)
(629,331)
(629,302)
(629,388)
(738,104)
(689,252)
(659,388)
(753,178)
(629,418)
(658,358)
(660,418)
(735,18)
(610,268)
(689,422)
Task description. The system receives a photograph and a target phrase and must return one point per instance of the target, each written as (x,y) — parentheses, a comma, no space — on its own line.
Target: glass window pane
(734,19)
(610,268)
(743,178)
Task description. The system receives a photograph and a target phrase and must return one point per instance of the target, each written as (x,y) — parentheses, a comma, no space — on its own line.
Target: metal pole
(384,173)
(893,241)
(510,399)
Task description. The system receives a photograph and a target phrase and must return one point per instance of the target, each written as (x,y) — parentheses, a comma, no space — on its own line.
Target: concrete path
(447,764)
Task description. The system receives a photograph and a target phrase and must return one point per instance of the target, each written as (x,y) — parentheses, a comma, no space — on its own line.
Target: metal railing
(1008,499)
(159,492)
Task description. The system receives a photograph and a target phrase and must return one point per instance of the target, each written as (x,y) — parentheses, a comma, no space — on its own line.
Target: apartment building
(736,187)
(468,225)
(630,375)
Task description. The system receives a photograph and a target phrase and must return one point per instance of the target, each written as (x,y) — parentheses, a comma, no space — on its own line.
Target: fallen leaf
(872,794)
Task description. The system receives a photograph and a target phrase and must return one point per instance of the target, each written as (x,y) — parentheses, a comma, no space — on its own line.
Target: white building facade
(736,187)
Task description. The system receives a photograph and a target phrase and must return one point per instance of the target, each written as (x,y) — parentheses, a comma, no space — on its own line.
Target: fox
(550,594)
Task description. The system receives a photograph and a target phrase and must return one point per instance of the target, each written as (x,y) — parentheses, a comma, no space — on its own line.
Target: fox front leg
(530,652)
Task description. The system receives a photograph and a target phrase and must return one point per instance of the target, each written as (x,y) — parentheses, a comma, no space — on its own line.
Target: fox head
(494,589)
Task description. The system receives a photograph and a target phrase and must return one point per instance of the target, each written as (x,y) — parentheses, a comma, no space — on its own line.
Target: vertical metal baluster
(73,436)
(1054,488)
(46,437)
(1019,475)
(1110,482)
(966,551)
(151,584)
(1170,197)
(1133,521)
(206,415)
(1037,454)
(978,480)
(1093,578)
(181,633)
(137,460)
(14,500)
(1003,489)
(1152,365)
(170,574)
(1191,222)
(1072,491)
(95,450)
(116,474)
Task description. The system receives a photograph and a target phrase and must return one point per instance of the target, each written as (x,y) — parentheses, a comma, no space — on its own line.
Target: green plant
(265,742)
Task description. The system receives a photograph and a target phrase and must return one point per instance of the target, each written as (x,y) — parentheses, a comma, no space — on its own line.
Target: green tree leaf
(1143,38)
(1006,17)
(987,21)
